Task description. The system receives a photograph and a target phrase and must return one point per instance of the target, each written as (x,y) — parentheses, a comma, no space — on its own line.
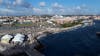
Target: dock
(33,52)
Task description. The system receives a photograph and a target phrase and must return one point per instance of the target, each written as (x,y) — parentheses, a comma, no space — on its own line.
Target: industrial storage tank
(18,38)
(6,38)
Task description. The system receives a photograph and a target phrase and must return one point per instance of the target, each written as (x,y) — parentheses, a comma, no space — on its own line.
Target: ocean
(82,41)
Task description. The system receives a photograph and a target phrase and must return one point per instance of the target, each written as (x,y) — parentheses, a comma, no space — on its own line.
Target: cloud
(15,7)
(42,4)
(62,10)
(59,9)
(16,3)
(56,5)
(50,11)
(13,12)
(7,10)
(43,11)
(78,8)
(22,3)
(81,9)
(19,1)
(37,10)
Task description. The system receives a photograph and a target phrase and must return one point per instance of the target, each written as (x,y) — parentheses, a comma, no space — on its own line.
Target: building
(62,20)
(18,38)
(6,39)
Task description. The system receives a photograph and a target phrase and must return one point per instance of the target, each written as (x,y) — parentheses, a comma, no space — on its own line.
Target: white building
(57,17)
(6,38)
(18,38)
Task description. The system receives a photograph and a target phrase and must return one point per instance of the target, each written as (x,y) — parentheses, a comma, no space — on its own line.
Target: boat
(98,34)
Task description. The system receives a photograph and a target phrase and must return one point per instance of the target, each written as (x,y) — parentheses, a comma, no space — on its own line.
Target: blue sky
(51,7)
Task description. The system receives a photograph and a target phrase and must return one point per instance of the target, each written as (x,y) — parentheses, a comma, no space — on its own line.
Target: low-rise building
(18,38)
(6,39)
(64,20)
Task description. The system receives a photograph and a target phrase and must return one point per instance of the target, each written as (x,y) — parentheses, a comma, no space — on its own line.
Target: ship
(98,34)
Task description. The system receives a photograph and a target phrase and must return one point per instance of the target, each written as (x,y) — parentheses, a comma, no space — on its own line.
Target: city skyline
(49,7)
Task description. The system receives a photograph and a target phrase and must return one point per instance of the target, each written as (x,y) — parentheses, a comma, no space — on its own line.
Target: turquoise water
(82,41)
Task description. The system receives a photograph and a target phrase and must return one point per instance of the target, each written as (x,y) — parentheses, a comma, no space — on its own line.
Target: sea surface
(82,41)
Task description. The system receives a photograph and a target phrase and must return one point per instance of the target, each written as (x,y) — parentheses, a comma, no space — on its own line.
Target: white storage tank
(18,38)
(6,38)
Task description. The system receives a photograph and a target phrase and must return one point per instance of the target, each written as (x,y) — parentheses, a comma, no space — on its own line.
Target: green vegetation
(23,25)
(70,24)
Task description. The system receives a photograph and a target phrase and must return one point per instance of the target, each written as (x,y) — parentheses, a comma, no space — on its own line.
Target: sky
(49,7)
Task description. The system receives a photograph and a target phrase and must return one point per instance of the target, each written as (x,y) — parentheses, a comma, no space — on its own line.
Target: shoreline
(57,30)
